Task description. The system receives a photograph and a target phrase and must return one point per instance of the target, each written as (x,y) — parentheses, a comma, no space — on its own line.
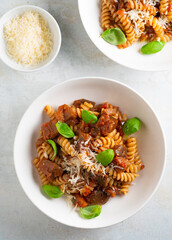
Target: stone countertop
(19,218)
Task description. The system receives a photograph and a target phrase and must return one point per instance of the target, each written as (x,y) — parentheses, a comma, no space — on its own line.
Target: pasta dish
(85,151)
(139,20)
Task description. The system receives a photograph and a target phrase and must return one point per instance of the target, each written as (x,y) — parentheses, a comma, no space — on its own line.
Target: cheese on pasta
(136,16)
(28,38)
(163,21)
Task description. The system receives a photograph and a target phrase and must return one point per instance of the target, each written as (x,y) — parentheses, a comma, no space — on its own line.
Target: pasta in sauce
(140,20)
(75,168)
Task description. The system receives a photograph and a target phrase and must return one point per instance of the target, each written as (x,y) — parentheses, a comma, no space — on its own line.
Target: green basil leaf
(89,117)
(114,36)
(91,211)
(64,130)
(131,126)
(105,157)
(52,191)
(54,146)
(152,47)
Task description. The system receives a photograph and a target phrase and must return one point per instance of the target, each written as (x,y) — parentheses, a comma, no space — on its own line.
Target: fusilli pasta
(70,160)
(66,145)
(49,110)
(43,178)
(139,20)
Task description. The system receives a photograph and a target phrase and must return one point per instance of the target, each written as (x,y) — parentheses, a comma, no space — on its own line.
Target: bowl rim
(79,79)
(153,69)
(33,7)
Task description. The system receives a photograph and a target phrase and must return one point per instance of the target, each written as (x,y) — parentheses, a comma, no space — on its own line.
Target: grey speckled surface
(19,219)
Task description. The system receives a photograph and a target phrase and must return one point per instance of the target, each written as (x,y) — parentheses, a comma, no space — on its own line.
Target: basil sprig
(105,157)
(152,47)
(89,117)
(131,126)
(54,146)
(52,191)
(114,36)
(64,130)
(91,211)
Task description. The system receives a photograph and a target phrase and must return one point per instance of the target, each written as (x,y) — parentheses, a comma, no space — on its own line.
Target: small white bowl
(129,57)
(54,28)
(151,146)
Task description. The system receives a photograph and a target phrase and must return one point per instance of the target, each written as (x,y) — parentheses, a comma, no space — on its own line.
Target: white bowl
(54,28)
(129,57)
(150,139)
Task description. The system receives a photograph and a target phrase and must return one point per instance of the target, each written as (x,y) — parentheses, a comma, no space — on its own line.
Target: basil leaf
(152,47)
(105,157)
(114,36)
(64,130)
(54,146)
(52,191)
(131,126)
(89,117)
(91,211)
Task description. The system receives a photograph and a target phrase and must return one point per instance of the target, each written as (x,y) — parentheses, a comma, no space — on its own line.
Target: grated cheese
(88,159)
(73,166)
(150,2)
(163,21)
(136,16)
(28,38)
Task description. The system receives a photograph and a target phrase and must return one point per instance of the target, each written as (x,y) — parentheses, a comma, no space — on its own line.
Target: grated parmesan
(163,21)
(151,2)
(136,16)
(28,38)
(84,157)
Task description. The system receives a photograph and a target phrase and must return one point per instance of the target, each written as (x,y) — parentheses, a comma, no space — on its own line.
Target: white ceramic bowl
(129,57)
(54,27)
(150,139)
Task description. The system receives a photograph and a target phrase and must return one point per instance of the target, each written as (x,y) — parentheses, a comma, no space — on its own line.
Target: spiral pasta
(74,128)
(133,168)
(61,180)
(122,176)
(124,188)
(155,24)
(121,17)
(136,19)
(126,177)
(139,6)
(131,145)
(165,8)
(79,111)
(41,153)
(104,143)
(49,110)
(71,161)
(48,150)
(137,160)
(66,145)
(43,178)
(105,17)
(111,182)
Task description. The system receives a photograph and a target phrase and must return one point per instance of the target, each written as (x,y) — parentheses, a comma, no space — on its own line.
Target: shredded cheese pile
(84,157)
(28,38)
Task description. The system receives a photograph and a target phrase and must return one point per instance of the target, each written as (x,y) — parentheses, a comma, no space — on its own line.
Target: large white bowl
(129,57)
(150,139)
(54,28)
